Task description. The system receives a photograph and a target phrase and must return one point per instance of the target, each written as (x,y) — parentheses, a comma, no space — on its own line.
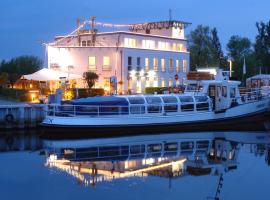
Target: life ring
(9,118)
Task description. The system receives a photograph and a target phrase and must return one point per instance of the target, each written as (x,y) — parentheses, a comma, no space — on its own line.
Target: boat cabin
(224,93)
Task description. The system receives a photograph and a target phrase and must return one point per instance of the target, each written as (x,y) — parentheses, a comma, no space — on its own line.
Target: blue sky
(23,23)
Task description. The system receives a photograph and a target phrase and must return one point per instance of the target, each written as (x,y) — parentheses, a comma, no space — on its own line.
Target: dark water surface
(209,165)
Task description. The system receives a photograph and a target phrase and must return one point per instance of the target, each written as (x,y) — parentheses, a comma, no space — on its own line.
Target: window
(163,45)
(169,99)
(92,63)
(171,65)
(170,82)
(179,47)
(154,109)
(232,92)
(174,46)
(163,83)
(130,42)
(89,43)
(153,100)
(224,91)
(106,63)
(148,44)
(129,62)
(171,108)
(186,99)
(146,63)
(138,61)
(136,100)
(106,83)
(163,67)
(185,66)
(84,43)
(155,63)
(177,67)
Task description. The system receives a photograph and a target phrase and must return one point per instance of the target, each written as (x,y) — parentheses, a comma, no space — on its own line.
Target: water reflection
(168,156)
(181,160)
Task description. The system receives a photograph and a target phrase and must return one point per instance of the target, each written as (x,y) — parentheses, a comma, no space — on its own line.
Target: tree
(19,66)
(205,48)
(3,79)
(238,48)
(90,78)
(217,53)
(262,46)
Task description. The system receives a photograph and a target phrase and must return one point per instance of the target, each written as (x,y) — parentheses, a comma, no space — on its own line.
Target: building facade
(148,55)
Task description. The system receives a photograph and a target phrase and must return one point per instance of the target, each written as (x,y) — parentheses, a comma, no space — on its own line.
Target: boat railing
(252,96)
(67,110)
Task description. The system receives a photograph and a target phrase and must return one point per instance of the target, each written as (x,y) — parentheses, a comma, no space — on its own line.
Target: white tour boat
(213,105)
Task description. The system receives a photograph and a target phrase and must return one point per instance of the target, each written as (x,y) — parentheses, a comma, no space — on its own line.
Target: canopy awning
(46,74)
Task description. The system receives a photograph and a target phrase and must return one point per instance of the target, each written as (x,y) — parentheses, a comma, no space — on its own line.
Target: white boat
(213,105)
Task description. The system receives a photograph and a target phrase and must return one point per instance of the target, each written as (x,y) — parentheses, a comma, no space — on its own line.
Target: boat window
(232,92)
(186,99)
(113,151)
(153,100)
(137,109)
(202,144)
(154,148)
(136,100)
(154,109)
(171,108)
(202,106)
(137,149)
(170,99)
(187,145)
(187,107)
(224,91)
(171,146)
(194,88)
(201,98)
(83,153)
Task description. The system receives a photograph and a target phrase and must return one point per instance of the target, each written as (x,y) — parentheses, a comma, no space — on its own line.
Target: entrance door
(215,93)
(212,95)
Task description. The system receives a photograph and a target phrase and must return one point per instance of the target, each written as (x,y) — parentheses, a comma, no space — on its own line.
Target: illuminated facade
(148,55)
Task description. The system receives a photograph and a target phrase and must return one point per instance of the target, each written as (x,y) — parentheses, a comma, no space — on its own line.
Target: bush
(15,94)
(83,92)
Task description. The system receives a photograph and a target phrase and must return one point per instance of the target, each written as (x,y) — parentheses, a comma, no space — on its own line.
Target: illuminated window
(163,83)
(163,67)
(174,46)
(130,42)
(185,66)
(179,47)
(170,82)
(171,65)
(163,45)
(106,63)
(92,63)
(177,67)
(155,64)
(148,44)
(106,83)
(147,64)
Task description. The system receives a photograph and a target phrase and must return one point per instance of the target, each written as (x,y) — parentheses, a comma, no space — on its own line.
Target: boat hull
(249,122)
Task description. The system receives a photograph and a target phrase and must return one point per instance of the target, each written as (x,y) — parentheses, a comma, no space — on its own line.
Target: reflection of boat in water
(169,156)
(215,105)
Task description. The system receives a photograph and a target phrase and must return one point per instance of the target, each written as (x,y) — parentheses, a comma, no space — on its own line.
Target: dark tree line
(12,70)
(206,50)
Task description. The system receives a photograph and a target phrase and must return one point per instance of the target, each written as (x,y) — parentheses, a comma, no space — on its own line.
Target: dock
(20,116)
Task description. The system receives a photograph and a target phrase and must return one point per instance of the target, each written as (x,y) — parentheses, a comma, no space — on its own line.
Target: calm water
(225,165)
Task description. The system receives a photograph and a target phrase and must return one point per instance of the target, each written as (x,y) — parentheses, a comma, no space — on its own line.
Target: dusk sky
(23,24)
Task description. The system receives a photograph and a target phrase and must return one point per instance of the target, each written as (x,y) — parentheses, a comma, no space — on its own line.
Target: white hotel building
(148,55)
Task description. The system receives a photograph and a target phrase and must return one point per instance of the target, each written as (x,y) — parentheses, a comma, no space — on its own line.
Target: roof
(120,32)
(46,74)
(260,76)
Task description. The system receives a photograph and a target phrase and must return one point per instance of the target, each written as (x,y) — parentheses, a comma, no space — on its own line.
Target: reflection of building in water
(18,141)
(170,158)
